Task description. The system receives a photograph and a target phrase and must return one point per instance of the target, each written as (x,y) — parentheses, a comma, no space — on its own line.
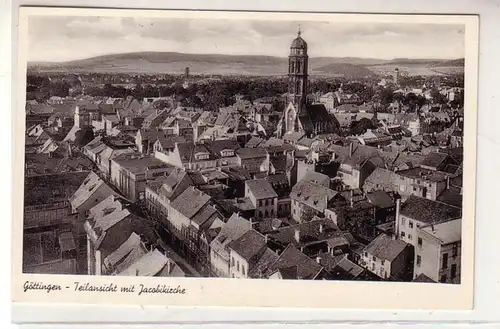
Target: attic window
(315,202)
(92,187)
(299,194)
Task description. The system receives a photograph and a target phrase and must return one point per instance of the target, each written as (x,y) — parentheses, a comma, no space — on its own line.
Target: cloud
(65,38)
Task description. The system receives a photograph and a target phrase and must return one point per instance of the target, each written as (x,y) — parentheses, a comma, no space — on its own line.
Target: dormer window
(201,156)
(227,153)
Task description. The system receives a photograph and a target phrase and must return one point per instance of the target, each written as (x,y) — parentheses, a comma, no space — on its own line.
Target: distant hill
(345,70)
(172,62)
(451,63)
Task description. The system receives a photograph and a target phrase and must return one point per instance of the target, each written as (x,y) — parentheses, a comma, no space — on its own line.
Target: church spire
(299,31)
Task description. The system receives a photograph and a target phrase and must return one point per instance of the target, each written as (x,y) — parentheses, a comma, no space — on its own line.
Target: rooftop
(43,189)
(424,174)
(137,163)
(446,232)
(429,211)
(250,244)
(291,257)
(385,247)
(313,195)
(189,202)
(261,189)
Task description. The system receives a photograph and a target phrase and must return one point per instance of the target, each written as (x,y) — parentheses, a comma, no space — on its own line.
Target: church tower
(297,83)
(297,72)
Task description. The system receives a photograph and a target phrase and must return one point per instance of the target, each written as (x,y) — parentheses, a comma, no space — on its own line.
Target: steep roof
(190,201)
(291,257)
(261,188)
(249,245)
(232,230)
(429,211)
(313,195)
(386,248)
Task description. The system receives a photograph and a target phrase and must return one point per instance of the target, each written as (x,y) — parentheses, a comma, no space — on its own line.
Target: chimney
(297,235)
(321,228)
(169,265)
(352,198)
(398,208)
(447,182)
(266,238)
(318,259)
(350,149)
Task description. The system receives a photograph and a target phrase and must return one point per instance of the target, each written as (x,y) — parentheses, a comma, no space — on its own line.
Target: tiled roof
(346,270)
(190,201)
(380,199)
(232,230)
(434,160)
(309,233)
(261,189)
(313,195)
(149,264)
(317,178)
(422,278)
(428,211)
(138,163)
(446,232)
(385,247)
(265,261)
(249,245)
(249,153)
(307,269)
(44,189)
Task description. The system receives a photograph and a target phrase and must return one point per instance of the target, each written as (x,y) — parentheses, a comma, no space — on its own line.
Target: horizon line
(222,54)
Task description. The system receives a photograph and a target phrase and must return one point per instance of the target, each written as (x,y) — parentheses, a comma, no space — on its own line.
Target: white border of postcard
(257,293)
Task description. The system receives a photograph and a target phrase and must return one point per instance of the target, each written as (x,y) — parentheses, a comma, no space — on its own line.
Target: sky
(57,38)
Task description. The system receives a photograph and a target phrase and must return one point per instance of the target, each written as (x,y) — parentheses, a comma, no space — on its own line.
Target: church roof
(298,42)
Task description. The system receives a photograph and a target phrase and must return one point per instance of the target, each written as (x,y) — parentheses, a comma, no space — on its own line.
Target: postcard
(210,158)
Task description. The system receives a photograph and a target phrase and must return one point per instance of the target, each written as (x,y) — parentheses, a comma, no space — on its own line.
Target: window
(445,261)
(243,269)
(267,202)
(409,236)
(382,262)
(403,221)
(420,242)
(453,271)
(238,265)
(410,223)
(402,234)
(272,212)
(374,258)
(454,251)
(232,261)
(443,278)
(419,260)
(366,254)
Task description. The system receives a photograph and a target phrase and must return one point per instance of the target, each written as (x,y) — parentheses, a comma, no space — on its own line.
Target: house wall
(302,212)
(408,228)
(303,168)
(238,267)
(219,264)
(284,207)
(429,254)
(379,267)
(454,259)
(255,165)
(400,266)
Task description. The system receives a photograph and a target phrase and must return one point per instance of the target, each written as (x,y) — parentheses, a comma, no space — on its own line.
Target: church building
(299,115)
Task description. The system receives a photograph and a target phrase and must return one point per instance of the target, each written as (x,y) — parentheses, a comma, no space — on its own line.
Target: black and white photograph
(238,147)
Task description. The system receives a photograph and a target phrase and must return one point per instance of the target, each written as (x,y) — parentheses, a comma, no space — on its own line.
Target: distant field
(175,63)
(416,69)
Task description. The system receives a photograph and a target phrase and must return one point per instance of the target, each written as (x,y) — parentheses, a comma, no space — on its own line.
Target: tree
(84,136)
(361,126)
